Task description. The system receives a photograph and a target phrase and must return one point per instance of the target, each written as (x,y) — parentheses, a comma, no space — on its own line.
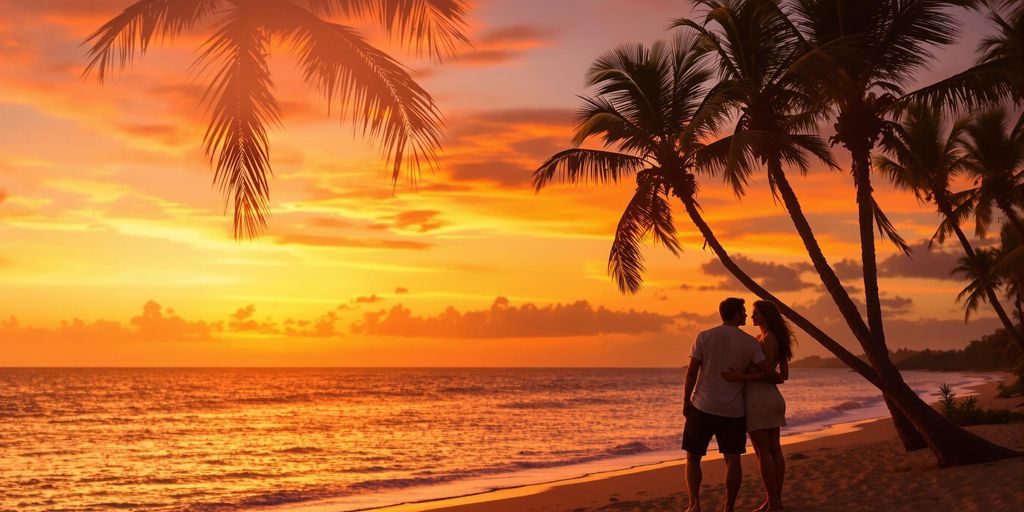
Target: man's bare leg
(693,479)
(733,477)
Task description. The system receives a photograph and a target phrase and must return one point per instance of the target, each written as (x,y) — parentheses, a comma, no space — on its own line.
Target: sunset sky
(116,250)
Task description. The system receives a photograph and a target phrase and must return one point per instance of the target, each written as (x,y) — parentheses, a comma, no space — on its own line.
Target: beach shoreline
(657,486)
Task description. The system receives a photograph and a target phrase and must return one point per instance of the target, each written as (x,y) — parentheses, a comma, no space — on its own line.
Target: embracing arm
(762,371)
(691,381)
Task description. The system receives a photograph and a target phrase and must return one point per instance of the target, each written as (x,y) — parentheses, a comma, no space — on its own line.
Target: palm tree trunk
(951,445)
(972,257)
(866,220)
(910,438)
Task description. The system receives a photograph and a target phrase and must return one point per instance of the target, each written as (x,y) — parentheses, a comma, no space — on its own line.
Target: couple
(731,391)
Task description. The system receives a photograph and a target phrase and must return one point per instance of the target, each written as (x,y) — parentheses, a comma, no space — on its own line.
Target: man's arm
(691,381)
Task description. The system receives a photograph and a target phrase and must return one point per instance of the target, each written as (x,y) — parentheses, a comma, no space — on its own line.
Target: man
(714,406)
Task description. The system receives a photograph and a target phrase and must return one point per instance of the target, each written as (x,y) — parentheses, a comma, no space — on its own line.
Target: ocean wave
(822,415)
(628,448)
(301,450)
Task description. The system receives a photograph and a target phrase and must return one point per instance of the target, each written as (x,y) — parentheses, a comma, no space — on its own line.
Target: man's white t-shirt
(719,349)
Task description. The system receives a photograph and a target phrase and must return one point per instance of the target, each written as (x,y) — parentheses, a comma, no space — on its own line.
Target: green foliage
(994,352)
(966,411)
(1017,388)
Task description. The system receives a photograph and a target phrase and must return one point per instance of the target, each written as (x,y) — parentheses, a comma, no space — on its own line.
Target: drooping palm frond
(583,166)
(432,26)
(648,213)
(973,295)
(373,90)
(114,45)
(886,228)
(241,105)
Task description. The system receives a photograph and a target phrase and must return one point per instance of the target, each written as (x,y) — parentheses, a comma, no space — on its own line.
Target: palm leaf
(583,166)
(113,45)
(647,212)
(375,92)
(432,26)
(241,104)
(886,228)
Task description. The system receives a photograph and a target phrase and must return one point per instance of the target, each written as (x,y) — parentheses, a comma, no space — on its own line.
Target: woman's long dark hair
(776,325)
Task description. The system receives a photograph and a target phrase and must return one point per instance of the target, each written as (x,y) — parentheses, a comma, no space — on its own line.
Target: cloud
(504,45)
(3,196)
(775,277)
(421,221)
(900,330)
(923,262)
(502,320)
(401,291)
(356,243)
(368,299)
(502,172)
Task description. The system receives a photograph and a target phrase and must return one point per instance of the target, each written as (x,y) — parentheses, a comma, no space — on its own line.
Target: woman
(765,407)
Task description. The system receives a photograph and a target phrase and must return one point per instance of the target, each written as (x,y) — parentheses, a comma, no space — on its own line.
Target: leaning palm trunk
(947,210)
(910,438)
(951,444)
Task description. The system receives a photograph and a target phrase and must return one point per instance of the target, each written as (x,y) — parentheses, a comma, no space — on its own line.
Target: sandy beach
(859,466)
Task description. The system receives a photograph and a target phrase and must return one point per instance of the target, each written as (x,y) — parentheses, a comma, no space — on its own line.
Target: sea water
(228,439)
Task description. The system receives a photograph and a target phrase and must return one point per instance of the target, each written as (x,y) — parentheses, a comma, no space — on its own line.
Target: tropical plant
(925,160)
(1010,268)
(760,75)
(995,160)
(373,90)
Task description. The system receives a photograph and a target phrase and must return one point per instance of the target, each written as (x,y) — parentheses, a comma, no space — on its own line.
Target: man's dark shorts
(700,426)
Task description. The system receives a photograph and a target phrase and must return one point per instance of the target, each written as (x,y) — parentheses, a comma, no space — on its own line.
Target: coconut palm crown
(650,114)
(371,88)
(995,161)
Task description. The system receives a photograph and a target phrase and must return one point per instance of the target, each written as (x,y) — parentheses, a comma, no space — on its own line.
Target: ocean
(229,439)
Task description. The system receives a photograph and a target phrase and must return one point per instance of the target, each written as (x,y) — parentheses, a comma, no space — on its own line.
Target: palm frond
(886,228)
(583,166)
(374,91)
(432,26)
(648,212)
(114,45)
(241,104)
(598,116)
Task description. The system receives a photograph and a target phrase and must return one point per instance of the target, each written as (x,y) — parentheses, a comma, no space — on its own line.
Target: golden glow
(106,203)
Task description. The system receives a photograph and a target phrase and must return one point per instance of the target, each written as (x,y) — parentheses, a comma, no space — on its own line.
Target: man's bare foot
(763,507)
(693,508)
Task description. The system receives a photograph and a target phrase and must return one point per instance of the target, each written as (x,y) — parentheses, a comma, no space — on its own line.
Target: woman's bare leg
(780,463)
(761,439)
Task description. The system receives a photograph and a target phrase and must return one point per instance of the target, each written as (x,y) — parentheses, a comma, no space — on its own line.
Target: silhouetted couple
(731,391)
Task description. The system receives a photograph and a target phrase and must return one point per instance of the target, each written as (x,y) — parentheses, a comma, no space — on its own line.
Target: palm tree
(374,91)
(980,272)
(998,74)
(925,162)
(1011,268)
(867,52)
(760,75)
(651,117)
(995,159)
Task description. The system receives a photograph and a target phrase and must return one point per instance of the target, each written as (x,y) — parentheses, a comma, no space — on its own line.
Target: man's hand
(731,375)
(776,377)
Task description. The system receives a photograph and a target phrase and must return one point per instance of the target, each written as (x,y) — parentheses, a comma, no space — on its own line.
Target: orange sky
(116,250)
